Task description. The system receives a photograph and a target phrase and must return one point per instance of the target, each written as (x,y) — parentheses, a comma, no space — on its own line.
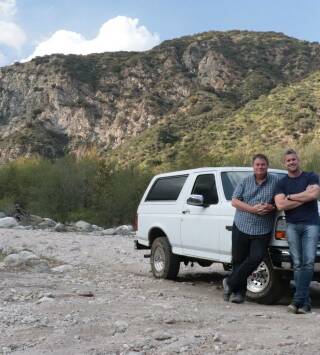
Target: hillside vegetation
(167,97)
(287,116)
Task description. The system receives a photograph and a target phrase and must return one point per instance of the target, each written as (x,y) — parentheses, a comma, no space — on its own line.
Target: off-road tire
(164,264)
(266,285)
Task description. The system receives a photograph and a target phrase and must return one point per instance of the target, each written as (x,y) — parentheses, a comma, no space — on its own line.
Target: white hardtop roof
(217,169)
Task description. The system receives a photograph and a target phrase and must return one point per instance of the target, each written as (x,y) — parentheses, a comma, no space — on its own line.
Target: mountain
(213,95)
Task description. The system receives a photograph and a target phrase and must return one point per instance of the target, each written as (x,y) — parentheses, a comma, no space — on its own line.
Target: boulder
(47,223)
(26,257)
(12,260)
(83,226)
(8,222)
(124,230)
(59,227)
(109,231)
(34,220)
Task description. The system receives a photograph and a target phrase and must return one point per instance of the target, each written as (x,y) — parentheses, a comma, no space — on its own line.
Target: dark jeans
(247,253)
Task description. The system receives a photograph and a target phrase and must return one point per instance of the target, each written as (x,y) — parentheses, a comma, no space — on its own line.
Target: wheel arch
(154,233)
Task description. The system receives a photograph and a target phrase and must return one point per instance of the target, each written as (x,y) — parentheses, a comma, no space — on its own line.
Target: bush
(68,189)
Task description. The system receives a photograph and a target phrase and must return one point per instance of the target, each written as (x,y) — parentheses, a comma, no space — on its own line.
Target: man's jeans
(303,240)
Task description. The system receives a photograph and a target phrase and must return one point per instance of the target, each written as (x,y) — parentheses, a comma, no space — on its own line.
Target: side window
(205,185)
(166,188)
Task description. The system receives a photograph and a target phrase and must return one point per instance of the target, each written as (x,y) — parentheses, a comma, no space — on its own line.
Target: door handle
(229,228)
(185,211)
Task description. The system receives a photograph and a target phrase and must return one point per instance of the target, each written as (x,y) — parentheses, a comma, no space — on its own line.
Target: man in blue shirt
(297,195)
(253,199)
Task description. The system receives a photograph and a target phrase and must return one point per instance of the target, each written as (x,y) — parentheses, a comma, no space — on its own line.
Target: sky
(30,28)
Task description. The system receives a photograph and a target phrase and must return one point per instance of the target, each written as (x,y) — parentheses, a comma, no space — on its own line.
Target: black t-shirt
(308,212)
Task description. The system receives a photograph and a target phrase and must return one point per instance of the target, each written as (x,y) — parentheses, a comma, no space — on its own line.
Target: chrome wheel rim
(259,279)
(159,259)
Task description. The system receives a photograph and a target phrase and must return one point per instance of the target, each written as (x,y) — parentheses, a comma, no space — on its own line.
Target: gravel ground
(99,297)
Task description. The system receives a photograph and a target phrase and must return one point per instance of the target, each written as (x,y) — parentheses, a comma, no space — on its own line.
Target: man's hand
(283,203)
(262,208)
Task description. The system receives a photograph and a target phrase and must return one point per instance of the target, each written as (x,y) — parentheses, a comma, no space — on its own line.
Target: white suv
(186,216)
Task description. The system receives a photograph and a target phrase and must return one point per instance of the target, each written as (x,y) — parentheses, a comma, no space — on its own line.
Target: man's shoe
(292,308)
(226,290)
(305,309)
(237,298)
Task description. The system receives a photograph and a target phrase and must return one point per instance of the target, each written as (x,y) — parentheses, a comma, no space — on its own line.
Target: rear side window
(205,185)
(166,188)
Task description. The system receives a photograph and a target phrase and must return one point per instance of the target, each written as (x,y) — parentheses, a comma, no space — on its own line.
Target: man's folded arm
(283,203)
(311,193)
(240,205)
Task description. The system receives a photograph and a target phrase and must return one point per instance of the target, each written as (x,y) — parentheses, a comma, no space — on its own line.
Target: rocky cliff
(58,104)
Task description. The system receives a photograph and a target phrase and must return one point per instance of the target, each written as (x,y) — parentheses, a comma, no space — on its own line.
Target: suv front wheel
(266,285)
(164,264)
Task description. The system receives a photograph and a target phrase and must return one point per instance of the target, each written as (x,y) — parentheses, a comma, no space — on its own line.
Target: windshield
(230,180)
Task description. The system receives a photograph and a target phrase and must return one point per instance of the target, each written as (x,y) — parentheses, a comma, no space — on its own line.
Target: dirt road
(99,297)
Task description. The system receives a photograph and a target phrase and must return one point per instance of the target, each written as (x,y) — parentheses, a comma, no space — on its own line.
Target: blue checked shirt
(251,193)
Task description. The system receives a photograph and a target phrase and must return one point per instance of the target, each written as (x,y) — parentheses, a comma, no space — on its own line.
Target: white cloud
(11,34)
(7,8)
(118,34)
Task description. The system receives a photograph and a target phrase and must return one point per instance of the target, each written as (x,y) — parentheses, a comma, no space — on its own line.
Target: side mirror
(195,200)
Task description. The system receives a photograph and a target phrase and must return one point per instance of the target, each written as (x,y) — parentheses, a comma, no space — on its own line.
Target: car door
(200,226)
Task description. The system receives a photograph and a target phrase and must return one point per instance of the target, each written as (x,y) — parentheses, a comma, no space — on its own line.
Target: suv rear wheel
(164,264)
(266,285)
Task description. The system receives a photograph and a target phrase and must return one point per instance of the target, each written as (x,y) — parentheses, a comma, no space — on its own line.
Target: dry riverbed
(99,297)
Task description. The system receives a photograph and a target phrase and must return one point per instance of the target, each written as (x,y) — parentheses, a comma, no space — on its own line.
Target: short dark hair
(289,151)
(260,156)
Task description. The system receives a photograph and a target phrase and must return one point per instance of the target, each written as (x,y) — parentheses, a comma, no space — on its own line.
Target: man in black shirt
(297,195)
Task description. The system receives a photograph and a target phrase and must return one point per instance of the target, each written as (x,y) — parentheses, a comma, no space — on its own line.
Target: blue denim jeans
(303,240)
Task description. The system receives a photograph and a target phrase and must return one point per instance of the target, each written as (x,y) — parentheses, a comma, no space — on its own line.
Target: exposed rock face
(58,104)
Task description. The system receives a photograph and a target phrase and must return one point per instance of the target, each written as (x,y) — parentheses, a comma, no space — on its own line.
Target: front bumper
(281,256)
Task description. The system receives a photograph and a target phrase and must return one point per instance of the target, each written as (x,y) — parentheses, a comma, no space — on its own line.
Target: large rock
(34,220)
(124,230)
(109,231)
(47,223)
(59,227)
(8,222)
(12,260)
(26,259)
(83,226)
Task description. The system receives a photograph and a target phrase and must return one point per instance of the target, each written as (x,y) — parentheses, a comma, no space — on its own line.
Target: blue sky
(37,27)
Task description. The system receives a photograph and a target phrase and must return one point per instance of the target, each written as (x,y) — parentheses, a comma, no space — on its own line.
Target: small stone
(85,293)
(162,336)
(62,268)
(120,326)
(45,299)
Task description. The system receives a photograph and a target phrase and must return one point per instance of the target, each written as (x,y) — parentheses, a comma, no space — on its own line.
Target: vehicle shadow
(209,277)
